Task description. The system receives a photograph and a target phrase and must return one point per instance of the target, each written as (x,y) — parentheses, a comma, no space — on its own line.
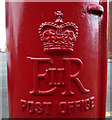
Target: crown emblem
(59,36)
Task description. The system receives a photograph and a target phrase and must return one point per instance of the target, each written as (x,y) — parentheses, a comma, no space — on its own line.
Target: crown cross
(58,37)
(59,16)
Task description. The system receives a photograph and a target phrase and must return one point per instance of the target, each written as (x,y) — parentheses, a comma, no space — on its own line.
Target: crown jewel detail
(58,37)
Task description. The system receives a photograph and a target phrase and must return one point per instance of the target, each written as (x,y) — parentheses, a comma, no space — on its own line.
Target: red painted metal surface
(57,59)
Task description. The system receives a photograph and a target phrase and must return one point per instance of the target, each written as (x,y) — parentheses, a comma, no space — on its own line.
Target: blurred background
(3,66)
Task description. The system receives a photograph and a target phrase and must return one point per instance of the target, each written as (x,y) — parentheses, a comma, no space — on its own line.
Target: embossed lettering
(39,107)
(24,105)
(37,76)
(56,76)
(47,107)
(62,108)
(31,107)
(82,105)
(77,105)
(68,62)
(70,106)
(65,107)
(87,104)
(36,107)
(92,102)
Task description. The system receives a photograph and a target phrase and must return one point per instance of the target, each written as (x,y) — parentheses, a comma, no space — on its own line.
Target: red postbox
(57,59)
